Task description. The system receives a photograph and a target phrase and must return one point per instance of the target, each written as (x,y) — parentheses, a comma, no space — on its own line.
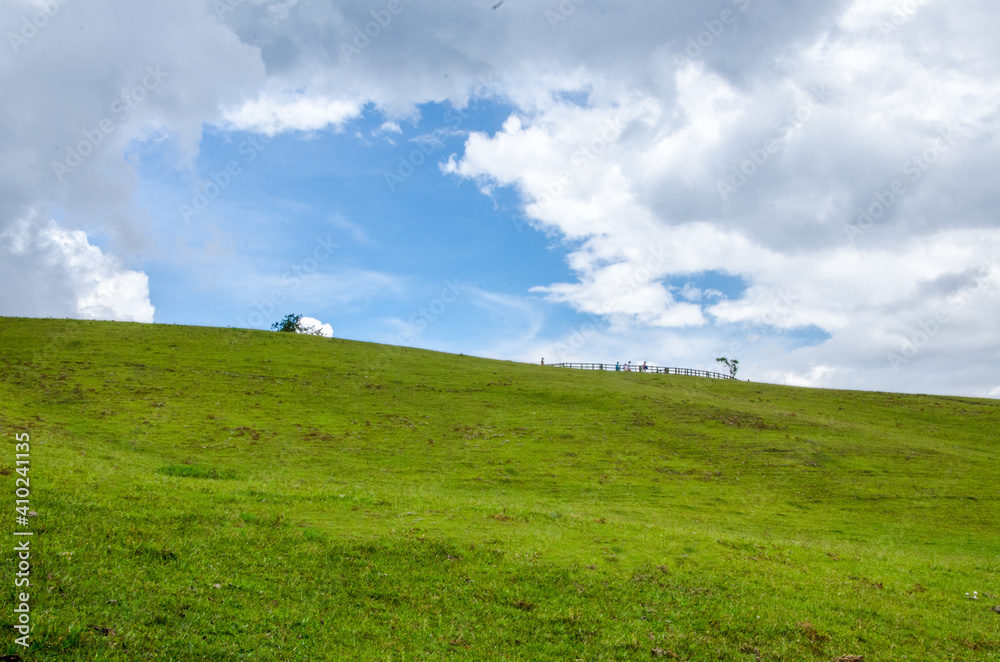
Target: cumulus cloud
(83,82)
(315,327)
(269,115)
(63,275)
(848,195)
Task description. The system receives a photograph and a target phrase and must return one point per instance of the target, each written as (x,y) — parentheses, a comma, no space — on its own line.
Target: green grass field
(214,494)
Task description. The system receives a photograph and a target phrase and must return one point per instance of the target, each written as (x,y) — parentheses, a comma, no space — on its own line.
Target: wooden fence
(655,369)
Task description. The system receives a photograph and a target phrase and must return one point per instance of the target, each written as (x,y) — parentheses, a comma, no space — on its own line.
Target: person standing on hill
(543,360)
(618,366)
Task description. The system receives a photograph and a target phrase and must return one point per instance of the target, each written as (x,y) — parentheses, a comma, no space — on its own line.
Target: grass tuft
(194,471)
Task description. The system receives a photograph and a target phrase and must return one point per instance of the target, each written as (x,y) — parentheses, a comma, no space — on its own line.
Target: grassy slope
(235,495)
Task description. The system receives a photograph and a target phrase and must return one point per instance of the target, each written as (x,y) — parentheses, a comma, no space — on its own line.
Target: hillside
(225,494)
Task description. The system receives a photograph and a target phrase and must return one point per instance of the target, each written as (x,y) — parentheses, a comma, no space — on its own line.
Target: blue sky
(411,234)
(809,188)
(374,188)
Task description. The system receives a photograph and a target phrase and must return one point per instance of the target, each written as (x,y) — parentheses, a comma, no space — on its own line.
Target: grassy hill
(212,494)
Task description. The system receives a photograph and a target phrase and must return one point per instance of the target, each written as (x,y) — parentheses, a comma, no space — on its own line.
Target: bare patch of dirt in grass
(980,645)
(243,430)
(868,582)
(749,421)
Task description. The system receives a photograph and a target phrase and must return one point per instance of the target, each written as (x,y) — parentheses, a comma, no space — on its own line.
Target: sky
(809,188)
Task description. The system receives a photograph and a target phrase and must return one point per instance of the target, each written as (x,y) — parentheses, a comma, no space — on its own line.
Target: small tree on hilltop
(732,364)
(293,324)
(290,324)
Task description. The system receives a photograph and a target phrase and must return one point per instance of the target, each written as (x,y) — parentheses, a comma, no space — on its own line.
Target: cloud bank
(838,159)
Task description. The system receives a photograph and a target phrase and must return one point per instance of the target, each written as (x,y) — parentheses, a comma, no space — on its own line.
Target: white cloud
(271,115)
(349,227)
(63,275)
(311,324)
(92,80)
(815,377)
(850,113)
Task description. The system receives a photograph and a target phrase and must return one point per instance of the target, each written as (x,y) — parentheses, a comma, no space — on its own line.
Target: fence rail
(655,369)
